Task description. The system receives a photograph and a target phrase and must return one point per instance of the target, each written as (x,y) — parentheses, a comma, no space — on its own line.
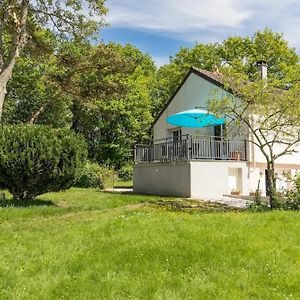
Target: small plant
(38,159)
(92,175)
(258,204)
(292,201)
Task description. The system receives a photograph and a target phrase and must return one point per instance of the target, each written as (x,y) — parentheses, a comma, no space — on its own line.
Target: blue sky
(161,27)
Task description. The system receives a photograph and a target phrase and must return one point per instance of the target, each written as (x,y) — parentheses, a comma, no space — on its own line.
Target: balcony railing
(191,147)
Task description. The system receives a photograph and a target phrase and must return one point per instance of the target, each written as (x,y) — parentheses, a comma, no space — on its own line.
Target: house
(197,163)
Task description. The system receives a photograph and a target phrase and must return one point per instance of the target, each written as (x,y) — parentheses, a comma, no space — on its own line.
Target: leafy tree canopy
(103,92)
(239,53)
(22,20)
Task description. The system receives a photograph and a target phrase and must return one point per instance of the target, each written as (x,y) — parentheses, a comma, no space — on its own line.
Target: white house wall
(210,179)
(195,92)
(293,159)
(256,155)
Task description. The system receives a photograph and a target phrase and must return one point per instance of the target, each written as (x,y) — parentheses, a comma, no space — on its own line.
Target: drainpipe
(221,145)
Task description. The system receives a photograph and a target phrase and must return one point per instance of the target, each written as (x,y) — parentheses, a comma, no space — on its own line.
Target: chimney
(262,69)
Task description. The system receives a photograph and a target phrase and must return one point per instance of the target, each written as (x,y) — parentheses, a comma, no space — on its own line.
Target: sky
(161,27)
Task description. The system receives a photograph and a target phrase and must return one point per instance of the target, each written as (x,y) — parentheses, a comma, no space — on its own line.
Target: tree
(239,53)
(110,90)
(46,159)
(20,18)
(103,92)
(267,112)
(33,96)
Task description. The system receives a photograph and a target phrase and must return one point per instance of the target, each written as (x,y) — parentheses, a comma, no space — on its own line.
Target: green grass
(85,244)
(118,184)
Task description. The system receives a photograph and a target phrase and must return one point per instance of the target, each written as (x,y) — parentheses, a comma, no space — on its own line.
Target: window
(176,135)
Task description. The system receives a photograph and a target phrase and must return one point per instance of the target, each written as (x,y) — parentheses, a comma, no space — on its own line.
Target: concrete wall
(213,179)
(197,179)
(171,179)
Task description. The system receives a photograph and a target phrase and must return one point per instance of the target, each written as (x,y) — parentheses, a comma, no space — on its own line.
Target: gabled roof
(213,77)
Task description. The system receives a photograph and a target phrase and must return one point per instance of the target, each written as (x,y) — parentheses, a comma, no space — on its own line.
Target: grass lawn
(118,184)
(85,244)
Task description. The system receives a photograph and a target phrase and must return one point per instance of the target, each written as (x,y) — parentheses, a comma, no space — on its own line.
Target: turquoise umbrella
(194,118)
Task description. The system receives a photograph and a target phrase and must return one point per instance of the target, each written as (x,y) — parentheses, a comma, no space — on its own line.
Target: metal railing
(190,147)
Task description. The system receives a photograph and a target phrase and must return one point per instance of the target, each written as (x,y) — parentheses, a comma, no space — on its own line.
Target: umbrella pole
(222,153)
(221,132)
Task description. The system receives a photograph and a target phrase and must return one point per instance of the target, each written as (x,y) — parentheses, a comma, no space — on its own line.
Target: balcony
(191,147)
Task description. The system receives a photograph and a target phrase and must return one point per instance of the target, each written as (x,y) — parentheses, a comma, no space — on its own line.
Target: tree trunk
(4,78)
(272,184)
(19,40)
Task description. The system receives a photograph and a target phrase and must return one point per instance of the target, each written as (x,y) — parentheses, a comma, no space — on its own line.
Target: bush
(92,175)
(258,204)
(126,172)
(292,201)
(38,159)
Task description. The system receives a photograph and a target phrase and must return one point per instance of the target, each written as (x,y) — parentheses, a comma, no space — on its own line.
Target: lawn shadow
(25,203)
(193,206)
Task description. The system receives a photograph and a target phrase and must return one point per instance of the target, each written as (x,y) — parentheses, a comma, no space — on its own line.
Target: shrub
(126,172)
(92,175)
(292,201)
(38,159)
(258,203)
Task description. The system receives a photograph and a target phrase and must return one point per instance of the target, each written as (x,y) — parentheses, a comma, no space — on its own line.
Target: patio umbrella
(194,118)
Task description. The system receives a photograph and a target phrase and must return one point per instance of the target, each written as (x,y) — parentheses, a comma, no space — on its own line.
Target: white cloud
(207,20)
(175,16)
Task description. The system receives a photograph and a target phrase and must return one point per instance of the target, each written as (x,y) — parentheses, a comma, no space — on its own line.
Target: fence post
(188,146)
(135,153)
(245,150)
(151,152)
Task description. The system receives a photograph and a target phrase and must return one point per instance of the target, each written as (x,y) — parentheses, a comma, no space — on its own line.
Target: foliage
(37,159)
(126,172)
(23,20)
(102,92)
(238,53)
(258,203)
(120,242)
(92,175)
(292,201)
(110,88)
(34,97)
